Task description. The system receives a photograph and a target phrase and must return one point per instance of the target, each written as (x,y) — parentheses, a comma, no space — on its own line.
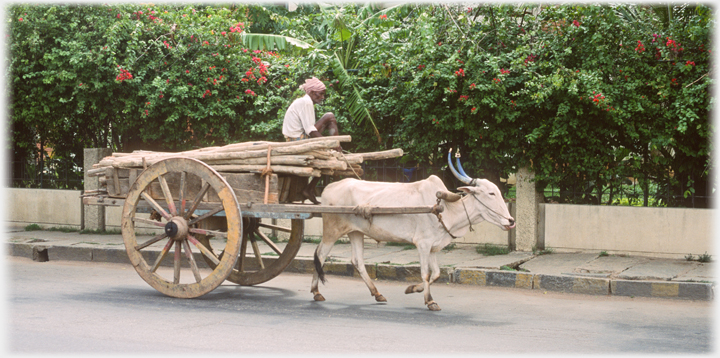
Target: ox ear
(467,189)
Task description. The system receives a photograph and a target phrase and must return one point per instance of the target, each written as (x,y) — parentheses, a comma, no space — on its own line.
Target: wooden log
(299,160)
(283,169)
(328,164)
(131,162)
(386,154)
(344,173)
(349,158)
(263,145)
(320,154)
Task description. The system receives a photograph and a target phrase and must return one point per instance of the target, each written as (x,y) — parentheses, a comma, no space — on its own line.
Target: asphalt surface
(75,307)
(580,273)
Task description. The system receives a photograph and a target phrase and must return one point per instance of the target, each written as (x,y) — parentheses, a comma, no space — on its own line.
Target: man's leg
(309,191)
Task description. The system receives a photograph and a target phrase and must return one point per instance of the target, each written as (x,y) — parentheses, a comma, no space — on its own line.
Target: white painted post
(526,231)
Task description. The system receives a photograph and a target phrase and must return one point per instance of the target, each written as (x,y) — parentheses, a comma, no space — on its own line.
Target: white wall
(671,232)
(660,232)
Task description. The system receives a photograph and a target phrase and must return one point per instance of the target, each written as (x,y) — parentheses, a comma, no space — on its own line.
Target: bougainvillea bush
(587,96)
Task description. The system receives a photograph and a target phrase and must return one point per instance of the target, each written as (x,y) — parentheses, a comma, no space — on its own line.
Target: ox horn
(463,178)
(459,167)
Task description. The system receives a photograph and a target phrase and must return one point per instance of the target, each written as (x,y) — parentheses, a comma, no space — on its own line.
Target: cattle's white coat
(482,202)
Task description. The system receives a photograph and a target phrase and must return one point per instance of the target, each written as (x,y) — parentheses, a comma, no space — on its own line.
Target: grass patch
(536,251)
(404,245)
(450,247)
(311,240)
(100,232)
(33,227)
(491,250)
(62,229)
(507,268)
(604,253)
(700,258)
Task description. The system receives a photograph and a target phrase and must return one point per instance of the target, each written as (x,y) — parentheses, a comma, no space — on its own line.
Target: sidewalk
(583,273)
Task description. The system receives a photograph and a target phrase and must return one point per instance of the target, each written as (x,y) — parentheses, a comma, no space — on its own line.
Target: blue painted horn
(461,177)
(459,167)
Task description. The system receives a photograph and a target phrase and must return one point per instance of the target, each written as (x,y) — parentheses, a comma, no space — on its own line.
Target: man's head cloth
(312,85)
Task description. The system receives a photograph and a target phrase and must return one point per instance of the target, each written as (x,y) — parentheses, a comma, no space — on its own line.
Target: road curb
(702,291)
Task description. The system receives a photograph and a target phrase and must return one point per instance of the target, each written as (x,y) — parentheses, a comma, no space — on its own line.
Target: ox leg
(322,252)
(427,260)
(357,246)
(434,275)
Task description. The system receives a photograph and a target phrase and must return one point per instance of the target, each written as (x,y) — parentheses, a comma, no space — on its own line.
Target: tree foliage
(587,95)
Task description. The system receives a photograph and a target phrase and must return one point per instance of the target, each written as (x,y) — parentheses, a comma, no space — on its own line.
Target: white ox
(482,201)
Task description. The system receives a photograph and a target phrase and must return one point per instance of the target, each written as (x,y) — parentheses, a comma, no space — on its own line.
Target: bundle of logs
(310,157)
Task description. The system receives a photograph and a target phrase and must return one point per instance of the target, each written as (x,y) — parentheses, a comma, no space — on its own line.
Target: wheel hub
(176,228)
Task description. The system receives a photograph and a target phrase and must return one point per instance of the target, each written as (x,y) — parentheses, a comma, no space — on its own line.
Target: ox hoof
(434,307)
(318,297)
(380,298)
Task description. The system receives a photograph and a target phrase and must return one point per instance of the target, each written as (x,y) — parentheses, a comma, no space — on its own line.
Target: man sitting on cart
(299,123)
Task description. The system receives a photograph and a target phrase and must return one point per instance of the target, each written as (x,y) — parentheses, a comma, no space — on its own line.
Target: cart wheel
(252,268)
(179,223)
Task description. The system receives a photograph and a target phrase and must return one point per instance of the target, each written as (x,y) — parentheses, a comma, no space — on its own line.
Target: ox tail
(318,268)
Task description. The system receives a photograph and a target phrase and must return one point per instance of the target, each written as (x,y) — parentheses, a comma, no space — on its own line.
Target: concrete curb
(411,273)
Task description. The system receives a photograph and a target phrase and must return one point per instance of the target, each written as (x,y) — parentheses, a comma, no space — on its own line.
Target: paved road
(75,307)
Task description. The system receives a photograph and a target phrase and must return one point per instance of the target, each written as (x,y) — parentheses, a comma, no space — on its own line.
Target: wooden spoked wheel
(251,267)
(179,223)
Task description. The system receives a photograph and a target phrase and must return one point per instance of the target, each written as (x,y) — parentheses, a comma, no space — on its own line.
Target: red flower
(504,71)
(690,63)
(124,75)
(250,92)
(460,73)
(463,98)
(472,86)
(576,23)
(20,19)
(118,16)
(383,17)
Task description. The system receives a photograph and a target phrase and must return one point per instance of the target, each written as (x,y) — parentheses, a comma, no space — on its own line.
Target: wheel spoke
(256,249)
(167,195)
(209,254)
(156,206)
(208,232)
(148,221)
(275,227)
(178,250)
(193,264)
(182,193)
(162,255)
(268,242)
(206,215)
(151,241)
(197,200)
(243,252)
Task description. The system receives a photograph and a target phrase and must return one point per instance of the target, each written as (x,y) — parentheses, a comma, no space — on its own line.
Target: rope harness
(439,216)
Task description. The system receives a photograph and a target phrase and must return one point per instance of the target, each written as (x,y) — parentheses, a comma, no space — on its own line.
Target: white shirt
(299,118)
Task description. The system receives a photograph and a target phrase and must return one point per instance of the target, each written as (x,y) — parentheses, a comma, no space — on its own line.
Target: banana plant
(340,31)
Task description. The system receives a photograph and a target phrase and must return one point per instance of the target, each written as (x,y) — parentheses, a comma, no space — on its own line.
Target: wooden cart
(216,214)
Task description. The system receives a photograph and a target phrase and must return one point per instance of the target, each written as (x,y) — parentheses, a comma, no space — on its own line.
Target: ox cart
(215,205)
